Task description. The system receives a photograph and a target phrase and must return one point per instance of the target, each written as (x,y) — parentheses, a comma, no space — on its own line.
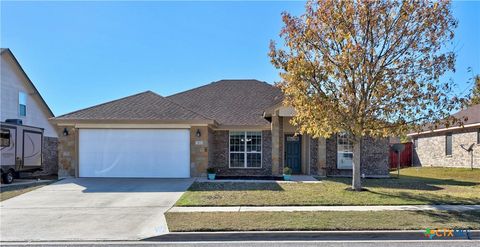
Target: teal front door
(293,153)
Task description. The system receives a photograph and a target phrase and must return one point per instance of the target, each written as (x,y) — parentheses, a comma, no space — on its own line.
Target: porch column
(199,150)
(322,156)
(277,145)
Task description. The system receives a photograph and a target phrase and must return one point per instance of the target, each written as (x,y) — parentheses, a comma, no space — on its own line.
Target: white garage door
(134,153)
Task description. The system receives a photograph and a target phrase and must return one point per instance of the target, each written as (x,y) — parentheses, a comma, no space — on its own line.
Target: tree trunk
(356,174)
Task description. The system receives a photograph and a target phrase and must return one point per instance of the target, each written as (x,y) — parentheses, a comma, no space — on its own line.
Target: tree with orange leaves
(367,68)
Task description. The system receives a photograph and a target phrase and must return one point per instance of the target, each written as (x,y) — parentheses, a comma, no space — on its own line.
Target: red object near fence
(405,157)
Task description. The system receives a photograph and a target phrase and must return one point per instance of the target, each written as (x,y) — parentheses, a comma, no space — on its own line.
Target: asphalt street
(378,243)
(260,239)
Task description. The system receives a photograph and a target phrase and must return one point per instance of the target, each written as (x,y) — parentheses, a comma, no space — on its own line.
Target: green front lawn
(416,186)
(290,221)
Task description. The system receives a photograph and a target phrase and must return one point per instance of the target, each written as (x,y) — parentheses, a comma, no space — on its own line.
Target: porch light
(198,134)
(65,132)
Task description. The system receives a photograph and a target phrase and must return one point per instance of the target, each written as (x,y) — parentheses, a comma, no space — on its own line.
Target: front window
(22,104)
(5,138)
(344,151)
(245,149)
(448,144)
(478,136)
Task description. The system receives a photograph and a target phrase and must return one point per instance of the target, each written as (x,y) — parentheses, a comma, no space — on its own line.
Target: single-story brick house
(238,126)
(447,147)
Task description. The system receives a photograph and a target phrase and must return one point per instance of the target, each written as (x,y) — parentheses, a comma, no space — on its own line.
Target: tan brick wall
(431,149)
(67,152)
(322,157)
(199,150)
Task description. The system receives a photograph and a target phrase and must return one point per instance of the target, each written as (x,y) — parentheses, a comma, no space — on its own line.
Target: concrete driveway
(91,209)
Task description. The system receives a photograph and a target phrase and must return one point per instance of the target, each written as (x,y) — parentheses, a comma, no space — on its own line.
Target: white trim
(245,150)
(133,126)
(67,124)
(287,111)
(242,128)
(445,129)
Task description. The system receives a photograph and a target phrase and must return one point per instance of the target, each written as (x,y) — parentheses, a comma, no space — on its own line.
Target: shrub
(287,171)
(211,170)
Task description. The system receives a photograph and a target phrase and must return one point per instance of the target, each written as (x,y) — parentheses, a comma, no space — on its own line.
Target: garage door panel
(134,153)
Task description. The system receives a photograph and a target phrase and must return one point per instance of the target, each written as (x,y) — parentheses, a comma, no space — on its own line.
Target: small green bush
(287,171)
(211,170)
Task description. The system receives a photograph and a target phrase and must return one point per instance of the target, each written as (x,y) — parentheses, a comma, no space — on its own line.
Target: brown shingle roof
(143,106)
(472,114)
(231,102)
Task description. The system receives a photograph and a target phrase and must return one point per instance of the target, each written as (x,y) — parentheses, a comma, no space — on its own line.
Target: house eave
(242,127)
(105,122)
(444,129)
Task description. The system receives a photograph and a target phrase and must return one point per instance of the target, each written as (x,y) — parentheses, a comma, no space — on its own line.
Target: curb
(25,185)
(415,235)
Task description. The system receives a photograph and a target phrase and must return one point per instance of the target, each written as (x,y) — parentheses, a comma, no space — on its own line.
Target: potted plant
(211,173)
(287,173)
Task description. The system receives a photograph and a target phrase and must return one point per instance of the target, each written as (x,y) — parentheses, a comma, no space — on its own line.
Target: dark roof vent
(14,121)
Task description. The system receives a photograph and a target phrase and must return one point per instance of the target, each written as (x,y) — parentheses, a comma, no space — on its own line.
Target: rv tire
(8,177)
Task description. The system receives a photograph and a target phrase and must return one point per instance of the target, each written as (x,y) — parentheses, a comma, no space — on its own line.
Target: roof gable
(231,102)
(8,52)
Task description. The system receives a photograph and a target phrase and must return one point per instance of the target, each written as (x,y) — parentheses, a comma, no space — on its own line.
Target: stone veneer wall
(67,149)
(374,160)
(199,151)
(220,156)
(314,157)
(49,156)
(431,149)
(210,147)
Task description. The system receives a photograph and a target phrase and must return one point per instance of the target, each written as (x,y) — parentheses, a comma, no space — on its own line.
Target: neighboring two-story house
(21,100)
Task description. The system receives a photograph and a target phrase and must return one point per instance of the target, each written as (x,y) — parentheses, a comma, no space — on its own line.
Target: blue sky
(83,53)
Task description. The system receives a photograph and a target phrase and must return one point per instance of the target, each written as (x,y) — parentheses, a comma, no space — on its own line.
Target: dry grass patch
(289,221)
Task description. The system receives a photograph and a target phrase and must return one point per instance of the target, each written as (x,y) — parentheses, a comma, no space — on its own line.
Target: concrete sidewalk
(294,179)
(458,208)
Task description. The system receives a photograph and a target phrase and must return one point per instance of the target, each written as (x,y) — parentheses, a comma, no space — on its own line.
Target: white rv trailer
(21,149)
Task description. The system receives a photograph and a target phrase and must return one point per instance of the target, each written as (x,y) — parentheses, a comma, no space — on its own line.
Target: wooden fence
(405,157)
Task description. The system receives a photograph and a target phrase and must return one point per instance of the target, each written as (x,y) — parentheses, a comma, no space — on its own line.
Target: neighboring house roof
(472,115)
(143,106)
(9,52)
(231,102)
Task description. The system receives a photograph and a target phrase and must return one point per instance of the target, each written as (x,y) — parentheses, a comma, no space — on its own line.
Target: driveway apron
(91,209)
